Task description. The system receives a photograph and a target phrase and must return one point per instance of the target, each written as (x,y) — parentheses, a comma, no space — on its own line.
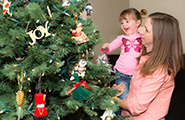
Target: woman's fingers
(119,87)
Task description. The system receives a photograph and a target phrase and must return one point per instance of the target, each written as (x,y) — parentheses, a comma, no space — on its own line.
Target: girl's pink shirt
(149,97)
(127,60)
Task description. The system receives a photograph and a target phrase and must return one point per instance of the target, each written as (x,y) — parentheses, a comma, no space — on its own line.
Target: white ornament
(43,30)
(65,3)
(102,59)
(82,63)
(107,113)
(49,11)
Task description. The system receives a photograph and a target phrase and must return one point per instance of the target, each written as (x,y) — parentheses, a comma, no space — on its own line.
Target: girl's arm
(113,45)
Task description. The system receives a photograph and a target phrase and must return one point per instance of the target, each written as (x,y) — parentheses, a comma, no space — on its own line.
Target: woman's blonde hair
(167,45)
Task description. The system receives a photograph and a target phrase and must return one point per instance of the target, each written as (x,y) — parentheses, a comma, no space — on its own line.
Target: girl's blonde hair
(132,12)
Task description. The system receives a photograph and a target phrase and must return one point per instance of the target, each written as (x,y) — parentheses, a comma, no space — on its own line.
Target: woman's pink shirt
(149,97)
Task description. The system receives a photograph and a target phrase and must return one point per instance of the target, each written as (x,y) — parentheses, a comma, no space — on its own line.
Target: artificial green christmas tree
(42,43)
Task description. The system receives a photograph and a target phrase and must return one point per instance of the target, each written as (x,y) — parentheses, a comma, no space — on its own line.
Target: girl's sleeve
(113,45)
(148,90)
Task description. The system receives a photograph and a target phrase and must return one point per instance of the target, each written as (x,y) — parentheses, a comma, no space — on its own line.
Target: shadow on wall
(177,105)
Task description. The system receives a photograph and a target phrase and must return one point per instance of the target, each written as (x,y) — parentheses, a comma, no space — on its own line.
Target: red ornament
(40,110)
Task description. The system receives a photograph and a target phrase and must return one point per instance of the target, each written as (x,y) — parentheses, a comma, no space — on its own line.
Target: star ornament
(6,8)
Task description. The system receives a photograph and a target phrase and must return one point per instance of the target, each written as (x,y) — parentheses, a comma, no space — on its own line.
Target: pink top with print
(130,50)
(149,97)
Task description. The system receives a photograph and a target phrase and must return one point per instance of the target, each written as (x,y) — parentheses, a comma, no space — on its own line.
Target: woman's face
(147,34)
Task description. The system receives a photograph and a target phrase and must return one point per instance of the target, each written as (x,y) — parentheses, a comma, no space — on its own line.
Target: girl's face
(130,25)
(147,34)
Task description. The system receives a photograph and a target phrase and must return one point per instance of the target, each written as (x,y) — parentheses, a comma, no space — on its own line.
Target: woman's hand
(119,87)
(122,102)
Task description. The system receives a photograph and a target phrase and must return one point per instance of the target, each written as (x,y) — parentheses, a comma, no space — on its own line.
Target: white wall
(173,7)
(105,15)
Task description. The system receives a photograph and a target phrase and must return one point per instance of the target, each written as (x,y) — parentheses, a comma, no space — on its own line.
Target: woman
(153,80)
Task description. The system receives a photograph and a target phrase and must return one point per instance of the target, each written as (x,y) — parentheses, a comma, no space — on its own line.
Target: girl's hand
(119,87)
(105,46)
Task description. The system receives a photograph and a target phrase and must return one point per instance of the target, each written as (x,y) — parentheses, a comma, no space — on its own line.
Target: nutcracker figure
(40,112)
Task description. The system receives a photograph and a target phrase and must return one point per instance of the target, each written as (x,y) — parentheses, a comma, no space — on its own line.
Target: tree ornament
(88,9)
(6,7)
(102,59)
(49,12)
(79,35)
(20,98)
(65,3)
(20,94)
(19,58)
(42,30)
(40,112)
(80,69)
(108,118)
(38,33)
(77,90)
(107,115)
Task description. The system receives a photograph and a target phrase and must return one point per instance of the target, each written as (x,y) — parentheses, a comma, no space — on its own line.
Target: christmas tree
(45,67)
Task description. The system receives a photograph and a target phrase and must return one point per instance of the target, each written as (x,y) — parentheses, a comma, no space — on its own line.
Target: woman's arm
(122,104)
